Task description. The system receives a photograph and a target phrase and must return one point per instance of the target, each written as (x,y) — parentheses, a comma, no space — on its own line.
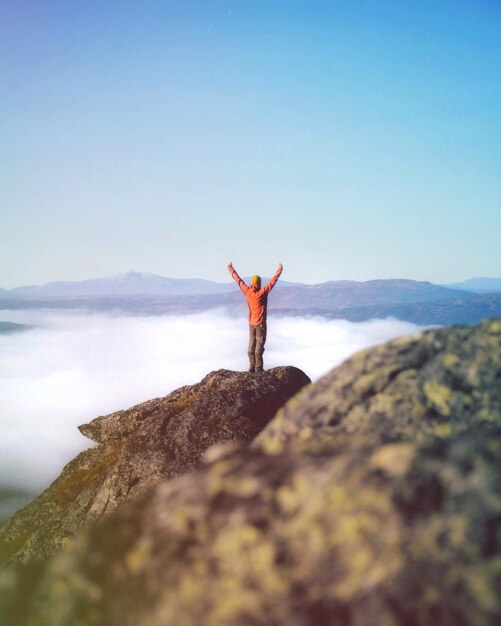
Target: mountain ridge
(336,293)
(147,283)
(481,284)
(129,283)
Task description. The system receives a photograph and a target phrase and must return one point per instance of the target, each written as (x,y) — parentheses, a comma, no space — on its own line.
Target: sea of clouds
(73,367)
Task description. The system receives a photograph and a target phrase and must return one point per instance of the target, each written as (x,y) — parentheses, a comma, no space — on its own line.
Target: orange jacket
(257,299)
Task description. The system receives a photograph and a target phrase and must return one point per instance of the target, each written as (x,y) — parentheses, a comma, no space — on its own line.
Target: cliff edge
(149,442)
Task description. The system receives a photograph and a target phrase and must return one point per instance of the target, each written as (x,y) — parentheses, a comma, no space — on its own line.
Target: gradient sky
(350,139)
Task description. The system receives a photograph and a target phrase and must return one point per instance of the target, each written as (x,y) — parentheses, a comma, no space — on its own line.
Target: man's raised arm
(273,280)
(237,278)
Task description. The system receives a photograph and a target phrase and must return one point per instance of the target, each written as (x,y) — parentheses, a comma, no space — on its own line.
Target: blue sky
(349,140)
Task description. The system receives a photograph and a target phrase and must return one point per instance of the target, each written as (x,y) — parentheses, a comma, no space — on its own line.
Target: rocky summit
(373,498)
(154,440)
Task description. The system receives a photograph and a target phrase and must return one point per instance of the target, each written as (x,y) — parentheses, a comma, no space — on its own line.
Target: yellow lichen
(291,496)
(360,356)
(217,475)
(439,396)
(364,383)
(487,415)
(480,581)
(494,327)
(450,360)
(138,555)
(181,403)
(245,486)
(248,578)
(443,430)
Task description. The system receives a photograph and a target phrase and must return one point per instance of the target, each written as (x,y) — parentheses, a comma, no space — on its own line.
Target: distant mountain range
(129,284)
(479,285)
(137,283)
(149,294)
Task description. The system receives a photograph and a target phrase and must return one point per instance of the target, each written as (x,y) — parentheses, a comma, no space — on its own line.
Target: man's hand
(229,265)
(280,266)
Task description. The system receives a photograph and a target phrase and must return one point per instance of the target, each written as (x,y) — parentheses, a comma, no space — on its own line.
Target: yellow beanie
(256,280)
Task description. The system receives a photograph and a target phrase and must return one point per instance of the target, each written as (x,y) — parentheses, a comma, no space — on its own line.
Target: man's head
(256,280)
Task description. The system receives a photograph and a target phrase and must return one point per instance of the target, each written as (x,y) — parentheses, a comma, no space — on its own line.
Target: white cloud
(75,366)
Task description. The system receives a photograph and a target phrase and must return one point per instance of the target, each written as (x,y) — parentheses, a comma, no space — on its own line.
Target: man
(257,301)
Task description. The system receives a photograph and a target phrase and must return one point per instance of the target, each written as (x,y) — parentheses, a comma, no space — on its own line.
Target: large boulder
(372,499)
(154,440)
(437,384)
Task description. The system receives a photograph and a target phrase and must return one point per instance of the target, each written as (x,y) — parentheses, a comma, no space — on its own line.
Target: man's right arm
(268,287)
(237,278)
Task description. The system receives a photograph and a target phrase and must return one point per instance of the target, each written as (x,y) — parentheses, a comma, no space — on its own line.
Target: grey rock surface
(436,383)
(154,440)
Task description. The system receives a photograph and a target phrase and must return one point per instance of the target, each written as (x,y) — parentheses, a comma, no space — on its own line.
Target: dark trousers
(257,339)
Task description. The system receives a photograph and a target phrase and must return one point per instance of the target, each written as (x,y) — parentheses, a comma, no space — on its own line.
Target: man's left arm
(273,281)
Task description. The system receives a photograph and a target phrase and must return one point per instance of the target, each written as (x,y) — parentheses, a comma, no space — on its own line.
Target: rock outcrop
(154,440)
(373,498)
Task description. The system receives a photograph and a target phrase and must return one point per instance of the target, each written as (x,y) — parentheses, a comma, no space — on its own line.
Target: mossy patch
(67,488)
(181,403)
(14,543)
